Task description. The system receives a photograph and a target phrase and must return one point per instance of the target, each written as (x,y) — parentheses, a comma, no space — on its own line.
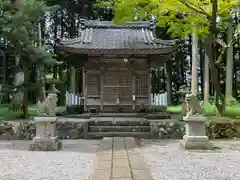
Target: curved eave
(149,51)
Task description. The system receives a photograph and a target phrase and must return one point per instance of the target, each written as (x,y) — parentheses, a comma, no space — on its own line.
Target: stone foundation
(196,142)
(45,144)
(65,129)
(171,129)
(73,129)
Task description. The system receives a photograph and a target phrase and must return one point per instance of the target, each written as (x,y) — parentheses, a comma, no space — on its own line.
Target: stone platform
(45,144)
(150,116)
(119,160)
(45,139)
(195,135)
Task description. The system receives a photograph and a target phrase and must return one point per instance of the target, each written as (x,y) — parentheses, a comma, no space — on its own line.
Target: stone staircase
(122,127)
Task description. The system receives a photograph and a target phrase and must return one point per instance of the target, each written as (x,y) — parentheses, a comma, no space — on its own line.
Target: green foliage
(210,110)
(231,102)
(19,27)
(221,129)
(41,55)
(11,89)
(18,24)
(179,15)
(53,81)
(7,114)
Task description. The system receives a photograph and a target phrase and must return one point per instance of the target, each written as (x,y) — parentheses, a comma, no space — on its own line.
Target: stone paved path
(118,160)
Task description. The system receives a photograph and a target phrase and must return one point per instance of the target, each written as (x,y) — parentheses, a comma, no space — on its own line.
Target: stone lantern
(46,139)
(195,135)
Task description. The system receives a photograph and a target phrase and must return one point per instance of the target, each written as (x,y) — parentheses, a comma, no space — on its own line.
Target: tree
(229,67)
(18,24)
(182,17)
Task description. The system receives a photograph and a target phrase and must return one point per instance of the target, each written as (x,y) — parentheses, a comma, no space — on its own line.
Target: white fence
(159,99)
(73,99)
(77,99)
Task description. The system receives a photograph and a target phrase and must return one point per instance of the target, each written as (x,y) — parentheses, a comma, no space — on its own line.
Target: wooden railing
(77,99)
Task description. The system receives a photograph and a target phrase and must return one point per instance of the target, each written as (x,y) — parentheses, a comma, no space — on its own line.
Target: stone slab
(104,165)
(195,138)
(103,174)
(106,144)
(45,139)
(120,163)
(45,144)
(45,118)
(141,175)
(119,154)
(121,172)
(105,152)
(197,145)
(105,148)
(195,118)
(104,157)
(135,156)
(117,148)
(138,165)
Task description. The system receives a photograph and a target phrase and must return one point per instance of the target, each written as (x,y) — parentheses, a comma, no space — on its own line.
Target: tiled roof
(105,35)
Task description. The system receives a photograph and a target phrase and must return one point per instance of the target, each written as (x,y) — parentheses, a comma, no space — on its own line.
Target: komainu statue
(48,106)
(193,107)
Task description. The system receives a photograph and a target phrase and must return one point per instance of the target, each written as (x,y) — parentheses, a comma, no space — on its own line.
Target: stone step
(118,123)
(119,134)
(119,128)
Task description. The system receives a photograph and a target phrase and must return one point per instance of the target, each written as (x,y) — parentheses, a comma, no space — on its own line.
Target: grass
(6,114)
(210,110)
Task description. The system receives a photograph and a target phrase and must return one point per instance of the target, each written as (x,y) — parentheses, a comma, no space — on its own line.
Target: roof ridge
(164,42)
(110,24)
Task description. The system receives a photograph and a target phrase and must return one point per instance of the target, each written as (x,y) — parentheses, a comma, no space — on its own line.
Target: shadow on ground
(81,145)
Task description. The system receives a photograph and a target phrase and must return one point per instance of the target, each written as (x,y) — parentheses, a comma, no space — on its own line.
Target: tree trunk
(201,61)
(219,97)
(4,81)
(55,68)
(25,97)
(182,68)
(206,79)
(212,55)
(40,70)
(194,82)
(229,69)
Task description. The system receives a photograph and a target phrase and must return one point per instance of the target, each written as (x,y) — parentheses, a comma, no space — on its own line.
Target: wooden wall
(107,80)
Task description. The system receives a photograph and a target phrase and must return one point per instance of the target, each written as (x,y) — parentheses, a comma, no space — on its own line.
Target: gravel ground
(168,162)
(76,161)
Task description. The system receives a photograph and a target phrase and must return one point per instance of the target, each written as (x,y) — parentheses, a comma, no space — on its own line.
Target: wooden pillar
(85,90)
(73,79)
(168,75)
(133,87)
(149,85)
(101,84)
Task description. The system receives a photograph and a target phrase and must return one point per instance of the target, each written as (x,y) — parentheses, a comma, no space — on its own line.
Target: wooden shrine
(116,62)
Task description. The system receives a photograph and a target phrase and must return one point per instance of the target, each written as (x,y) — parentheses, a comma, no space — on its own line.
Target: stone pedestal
(195,135)
(46,139)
